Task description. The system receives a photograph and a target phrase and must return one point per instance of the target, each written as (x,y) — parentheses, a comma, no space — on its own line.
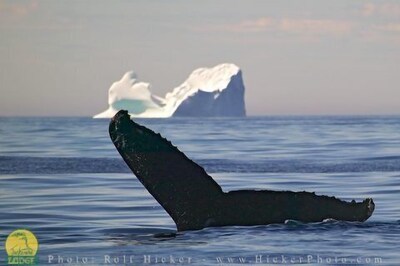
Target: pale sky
(297,57)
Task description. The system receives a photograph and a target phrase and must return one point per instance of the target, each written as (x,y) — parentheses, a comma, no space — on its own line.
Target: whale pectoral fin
(181,186)
(194,200)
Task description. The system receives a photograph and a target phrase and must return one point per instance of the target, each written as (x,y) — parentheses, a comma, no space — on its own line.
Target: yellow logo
(21,247)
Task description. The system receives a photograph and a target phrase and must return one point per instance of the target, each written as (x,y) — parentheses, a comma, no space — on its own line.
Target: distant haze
(297,57)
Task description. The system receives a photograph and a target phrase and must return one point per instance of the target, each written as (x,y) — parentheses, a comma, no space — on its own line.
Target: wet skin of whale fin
(195,201)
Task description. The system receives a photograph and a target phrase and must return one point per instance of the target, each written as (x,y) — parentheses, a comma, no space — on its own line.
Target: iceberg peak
(130,75)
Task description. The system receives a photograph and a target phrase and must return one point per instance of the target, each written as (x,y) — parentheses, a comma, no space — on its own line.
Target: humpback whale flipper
(194,200)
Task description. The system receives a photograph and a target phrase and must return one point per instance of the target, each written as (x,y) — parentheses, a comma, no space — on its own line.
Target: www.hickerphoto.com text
(187,260)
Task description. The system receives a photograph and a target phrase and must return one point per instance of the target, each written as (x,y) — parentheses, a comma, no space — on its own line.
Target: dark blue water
(62,179)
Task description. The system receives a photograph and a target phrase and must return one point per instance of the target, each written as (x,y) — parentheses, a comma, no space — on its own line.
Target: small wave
(329,220)
(293,222)
(66,165)
(393,157)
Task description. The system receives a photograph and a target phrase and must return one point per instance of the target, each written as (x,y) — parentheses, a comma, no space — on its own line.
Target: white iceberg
(217,91)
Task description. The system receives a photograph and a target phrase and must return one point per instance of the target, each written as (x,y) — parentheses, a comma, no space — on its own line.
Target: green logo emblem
(21,247)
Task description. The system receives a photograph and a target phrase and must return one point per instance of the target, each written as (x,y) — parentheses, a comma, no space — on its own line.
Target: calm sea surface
(62,179)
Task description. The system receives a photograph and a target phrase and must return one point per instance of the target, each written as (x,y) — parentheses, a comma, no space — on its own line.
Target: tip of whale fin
(370,207)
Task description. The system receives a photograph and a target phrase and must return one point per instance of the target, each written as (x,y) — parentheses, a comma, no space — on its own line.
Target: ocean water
(62,179)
